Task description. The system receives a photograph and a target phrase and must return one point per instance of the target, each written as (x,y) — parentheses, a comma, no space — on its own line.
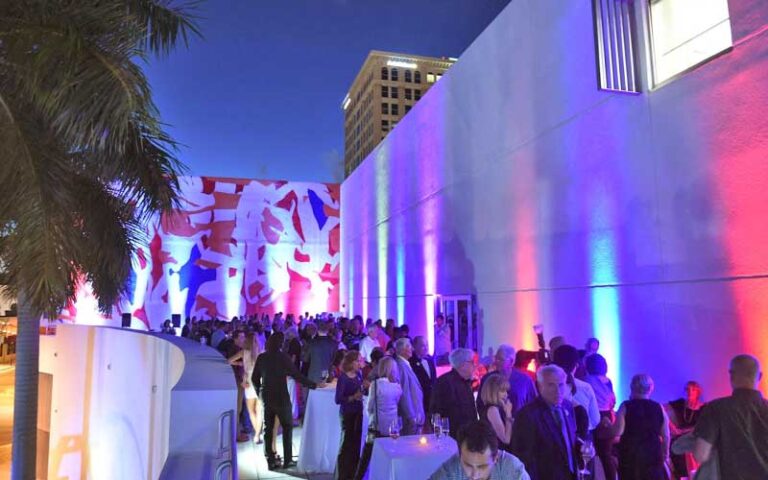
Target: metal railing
(229,447)
(223,467)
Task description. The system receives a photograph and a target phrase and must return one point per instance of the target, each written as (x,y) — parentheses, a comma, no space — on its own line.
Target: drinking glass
(587,452)
(436,423)
(324,375)
(445,426)
(419,421)
(394,428)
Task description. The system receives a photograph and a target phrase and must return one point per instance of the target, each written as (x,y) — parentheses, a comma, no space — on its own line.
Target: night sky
(260,95)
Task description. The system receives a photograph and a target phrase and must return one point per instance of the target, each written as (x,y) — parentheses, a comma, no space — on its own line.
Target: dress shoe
(288,465)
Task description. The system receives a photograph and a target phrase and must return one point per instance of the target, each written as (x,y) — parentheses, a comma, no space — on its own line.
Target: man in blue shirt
(479,458)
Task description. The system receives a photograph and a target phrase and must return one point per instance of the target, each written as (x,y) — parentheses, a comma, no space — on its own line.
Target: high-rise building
(385,90)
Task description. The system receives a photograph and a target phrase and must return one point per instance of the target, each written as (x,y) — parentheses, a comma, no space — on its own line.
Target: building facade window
(385,109)
(417,94)
(384,73)
(394,93)
(417,77)
(395,109)
(408,76)
(385,125)
(394,75)
(384,91)
(614,36)
(408,94)
(407,108)
(686,33)
(430,77)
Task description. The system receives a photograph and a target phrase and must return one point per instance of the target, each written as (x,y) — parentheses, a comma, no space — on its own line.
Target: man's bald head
(745,372)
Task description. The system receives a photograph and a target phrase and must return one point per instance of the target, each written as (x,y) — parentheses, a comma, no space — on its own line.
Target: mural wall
(235,247)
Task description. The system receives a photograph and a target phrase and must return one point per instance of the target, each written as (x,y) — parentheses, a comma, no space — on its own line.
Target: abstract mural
(235,247)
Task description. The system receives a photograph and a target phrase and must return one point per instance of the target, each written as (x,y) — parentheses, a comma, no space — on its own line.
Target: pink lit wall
(636,219)
(235,247)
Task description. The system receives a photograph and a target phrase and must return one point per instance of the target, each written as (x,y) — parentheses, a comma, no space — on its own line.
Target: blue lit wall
(636,219)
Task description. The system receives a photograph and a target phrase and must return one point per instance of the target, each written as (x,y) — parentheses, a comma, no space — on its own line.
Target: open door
(459,313)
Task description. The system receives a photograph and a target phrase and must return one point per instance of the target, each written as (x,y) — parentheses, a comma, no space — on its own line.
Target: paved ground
(253,466)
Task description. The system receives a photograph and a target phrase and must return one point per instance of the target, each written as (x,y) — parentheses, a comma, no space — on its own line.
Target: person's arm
(292,371)
(503,429)
(592,410)
(523,441)
(702,450)
(256,375)
(234,358)
(340,387)
(619,424)
(438,395)
(664,433)
(674,430)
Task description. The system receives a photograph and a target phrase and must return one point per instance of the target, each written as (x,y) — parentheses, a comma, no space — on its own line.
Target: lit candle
(423,440)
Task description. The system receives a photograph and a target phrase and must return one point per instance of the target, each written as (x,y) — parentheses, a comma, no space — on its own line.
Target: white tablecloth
(406,458)
(321,432)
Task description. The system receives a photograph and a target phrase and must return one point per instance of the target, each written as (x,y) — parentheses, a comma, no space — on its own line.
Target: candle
(423,440)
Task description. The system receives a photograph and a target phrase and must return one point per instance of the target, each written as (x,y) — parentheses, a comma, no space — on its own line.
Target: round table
(321,432)
(409,458)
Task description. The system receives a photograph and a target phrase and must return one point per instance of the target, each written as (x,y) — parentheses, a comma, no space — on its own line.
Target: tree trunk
(25,401)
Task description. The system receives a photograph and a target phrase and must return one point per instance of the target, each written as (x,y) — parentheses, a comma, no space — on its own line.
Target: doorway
(460,315)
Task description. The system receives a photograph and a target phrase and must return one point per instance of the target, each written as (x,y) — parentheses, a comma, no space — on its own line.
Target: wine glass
(394,428)
(445,425)
(418,419)
(587,452)
(436,425)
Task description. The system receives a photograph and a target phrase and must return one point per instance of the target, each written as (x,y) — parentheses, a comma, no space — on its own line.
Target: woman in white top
(247,358)
(385,394)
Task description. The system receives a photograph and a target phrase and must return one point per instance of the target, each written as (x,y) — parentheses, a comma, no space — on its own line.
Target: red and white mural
(235,247)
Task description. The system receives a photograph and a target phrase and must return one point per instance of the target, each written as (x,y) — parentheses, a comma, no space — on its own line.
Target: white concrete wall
(122,400)
(637,219)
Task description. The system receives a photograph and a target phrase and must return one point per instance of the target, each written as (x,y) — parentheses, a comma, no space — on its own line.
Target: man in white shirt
(567,357)
(370,342)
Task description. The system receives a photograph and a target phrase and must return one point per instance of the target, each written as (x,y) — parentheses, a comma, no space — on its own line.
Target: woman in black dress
(683,415)
(496,408)
(644,430)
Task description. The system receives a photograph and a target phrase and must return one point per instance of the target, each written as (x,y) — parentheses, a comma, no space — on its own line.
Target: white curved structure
(124,402)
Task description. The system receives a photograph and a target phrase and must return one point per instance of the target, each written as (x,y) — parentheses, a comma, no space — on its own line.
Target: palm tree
(84,160)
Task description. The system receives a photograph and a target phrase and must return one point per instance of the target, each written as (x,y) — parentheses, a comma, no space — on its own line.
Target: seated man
(479,458)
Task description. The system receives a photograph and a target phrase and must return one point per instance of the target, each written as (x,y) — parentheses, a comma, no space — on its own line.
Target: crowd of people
(545,415)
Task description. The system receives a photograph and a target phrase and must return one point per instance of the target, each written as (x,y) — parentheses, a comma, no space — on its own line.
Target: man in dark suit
(544,437)
(269,379)
(320,352)
(424,367)
(452,395)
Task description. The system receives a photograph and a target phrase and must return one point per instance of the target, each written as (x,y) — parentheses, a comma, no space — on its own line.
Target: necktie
(560,415)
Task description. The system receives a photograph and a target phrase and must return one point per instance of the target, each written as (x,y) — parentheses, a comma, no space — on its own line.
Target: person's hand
(366,383)
(605,422)
(246,384)
(357,396)
(321,385)
(507,406)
